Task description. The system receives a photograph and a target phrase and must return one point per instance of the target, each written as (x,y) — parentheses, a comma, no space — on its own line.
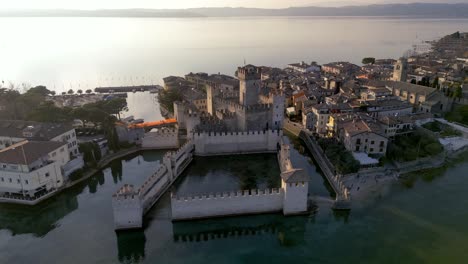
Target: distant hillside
(413,10)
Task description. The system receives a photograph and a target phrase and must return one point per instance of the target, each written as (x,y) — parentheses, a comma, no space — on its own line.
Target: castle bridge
(342,201)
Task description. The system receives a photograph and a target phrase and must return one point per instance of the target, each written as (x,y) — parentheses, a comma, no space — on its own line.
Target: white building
(14,131)
(304,67)
(32,168)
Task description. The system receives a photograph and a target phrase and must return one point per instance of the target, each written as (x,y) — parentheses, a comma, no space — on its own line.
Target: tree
(115,106)
(435,83)
(53,93)
(368,60)
(48,112)
(40,90)
(413,81)
(64,93)
(458,91)
(70,91)
(89,91)
(167,98)
(79,91)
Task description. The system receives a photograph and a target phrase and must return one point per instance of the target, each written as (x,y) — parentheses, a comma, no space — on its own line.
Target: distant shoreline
(417,10)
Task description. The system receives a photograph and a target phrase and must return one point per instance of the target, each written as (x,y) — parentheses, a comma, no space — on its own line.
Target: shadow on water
(131,246)
(39,219)
(289,231)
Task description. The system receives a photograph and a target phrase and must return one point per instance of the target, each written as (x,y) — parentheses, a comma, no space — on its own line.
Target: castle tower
(211,93)
(401,70)
(250,83)
(278,110)
(295,184)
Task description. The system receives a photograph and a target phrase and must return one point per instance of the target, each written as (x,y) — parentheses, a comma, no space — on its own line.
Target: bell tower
(401,70)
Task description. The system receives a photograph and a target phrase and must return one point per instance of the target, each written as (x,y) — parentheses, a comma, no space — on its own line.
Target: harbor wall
(161,139)
(227,204)
(223,143)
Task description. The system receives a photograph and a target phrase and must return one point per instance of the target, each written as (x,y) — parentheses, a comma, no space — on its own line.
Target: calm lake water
(82,53)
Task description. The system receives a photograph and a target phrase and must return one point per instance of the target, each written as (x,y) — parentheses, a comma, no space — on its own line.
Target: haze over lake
(83,53)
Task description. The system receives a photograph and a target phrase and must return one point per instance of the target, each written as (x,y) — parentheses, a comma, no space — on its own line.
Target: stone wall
(161,139)
(223,143)
(130,203)
(233,203)
(127,207)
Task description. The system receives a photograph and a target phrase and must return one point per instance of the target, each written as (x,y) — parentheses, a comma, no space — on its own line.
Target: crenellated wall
(225,204)
(130,204)
(161,139)
(128,208)
(223,143)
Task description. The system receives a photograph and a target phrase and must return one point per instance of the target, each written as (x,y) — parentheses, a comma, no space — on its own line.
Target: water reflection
(37,220)
(131,246)
(289,231)
(116,170)
(230,173)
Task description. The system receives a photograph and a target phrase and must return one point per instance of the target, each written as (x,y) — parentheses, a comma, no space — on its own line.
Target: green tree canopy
(368,60)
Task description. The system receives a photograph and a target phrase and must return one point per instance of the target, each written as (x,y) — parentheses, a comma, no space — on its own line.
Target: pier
(128,89)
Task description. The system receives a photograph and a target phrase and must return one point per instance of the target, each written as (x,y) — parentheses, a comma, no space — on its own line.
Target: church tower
(401,70)
(250,83)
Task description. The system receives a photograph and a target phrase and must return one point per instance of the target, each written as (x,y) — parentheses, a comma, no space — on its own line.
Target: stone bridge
(342,201)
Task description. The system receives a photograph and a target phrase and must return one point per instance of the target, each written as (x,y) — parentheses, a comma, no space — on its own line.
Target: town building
(303,67)
(14,131)
(32,168)
(360,135)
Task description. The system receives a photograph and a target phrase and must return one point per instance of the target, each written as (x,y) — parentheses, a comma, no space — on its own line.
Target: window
(371,150)
(372,142)
(382,143)
(358,141)
(47,174)
(18,181)
(10,180)
(26,181)
(4,166)
(2,179)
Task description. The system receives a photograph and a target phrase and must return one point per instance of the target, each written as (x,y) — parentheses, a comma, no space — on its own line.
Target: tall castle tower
(250,83)
(401,70)
(211,92)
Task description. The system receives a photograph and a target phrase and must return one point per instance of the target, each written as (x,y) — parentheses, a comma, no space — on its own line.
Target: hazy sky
(108,4)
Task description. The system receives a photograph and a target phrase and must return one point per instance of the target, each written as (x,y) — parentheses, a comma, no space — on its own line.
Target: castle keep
(251,107)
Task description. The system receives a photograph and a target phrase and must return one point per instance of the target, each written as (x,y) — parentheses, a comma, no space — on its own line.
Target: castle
(251,107)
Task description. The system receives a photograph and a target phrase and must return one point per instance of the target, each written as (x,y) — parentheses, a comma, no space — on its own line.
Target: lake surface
(83,53)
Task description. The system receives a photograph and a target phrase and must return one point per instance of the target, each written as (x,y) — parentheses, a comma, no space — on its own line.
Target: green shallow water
(423,221)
